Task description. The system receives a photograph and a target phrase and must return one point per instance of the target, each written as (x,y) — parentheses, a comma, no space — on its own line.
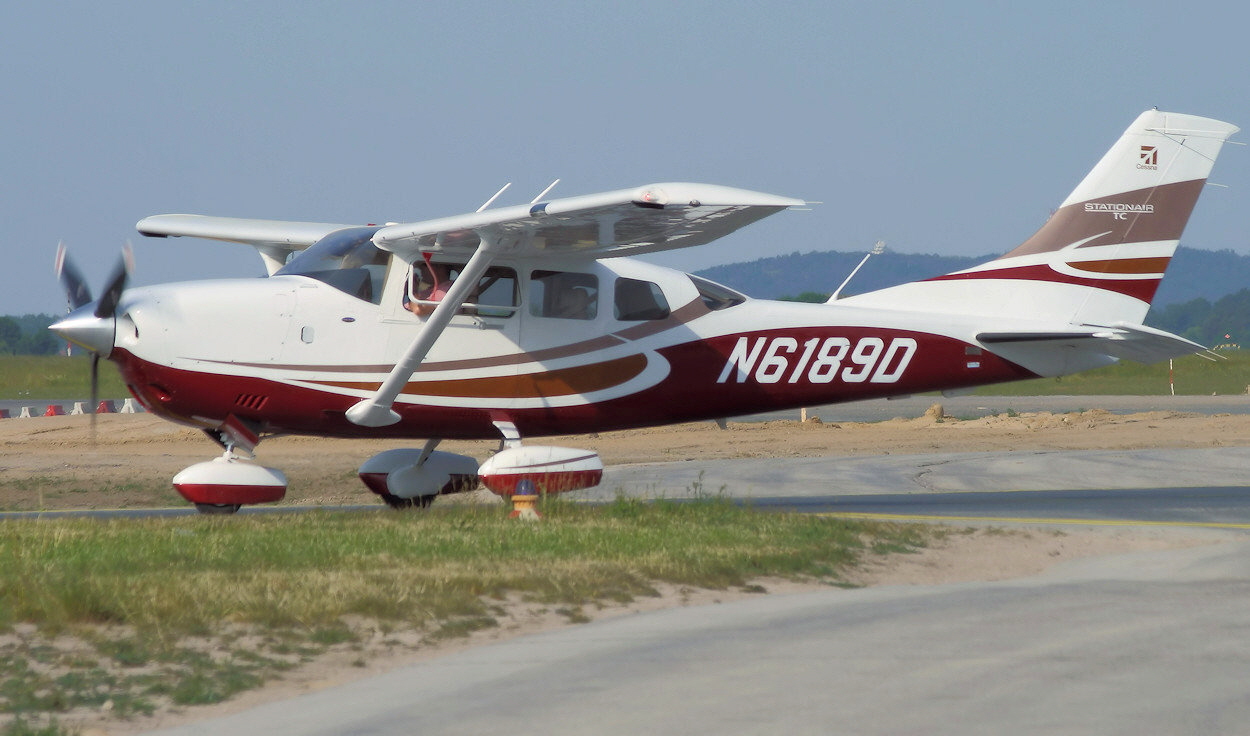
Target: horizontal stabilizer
(1121,340)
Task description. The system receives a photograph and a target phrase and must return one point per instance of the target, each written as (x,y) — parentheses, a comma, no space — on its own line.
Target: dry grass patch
(132,615)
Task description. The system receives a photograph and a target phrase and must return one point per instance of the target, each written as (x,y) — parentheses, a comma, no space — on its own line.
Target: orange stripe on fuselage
(581,379)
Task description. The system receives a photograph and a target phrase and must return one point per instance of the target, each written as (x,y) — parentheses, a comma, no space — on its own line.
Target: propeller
(91,327)
(72,280)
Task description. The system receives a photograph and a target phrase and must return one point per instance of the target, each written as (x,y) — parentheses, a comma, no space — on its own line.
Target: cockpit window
(639,300)
(345,259)
(494,296)
(716,296)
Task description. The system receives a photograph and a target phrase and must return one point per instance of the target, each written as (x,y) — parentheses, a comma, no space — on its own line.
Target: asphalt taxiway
(1152,642)
(1176,487)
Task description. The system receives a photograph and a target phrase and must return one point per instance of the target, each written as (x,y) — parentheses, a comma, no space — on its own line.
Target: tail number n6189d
(772,360)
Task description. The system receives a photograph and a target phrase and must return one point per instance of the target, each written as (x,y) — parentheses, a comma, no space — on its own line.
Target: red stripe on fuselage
(1143,289)
(778,378)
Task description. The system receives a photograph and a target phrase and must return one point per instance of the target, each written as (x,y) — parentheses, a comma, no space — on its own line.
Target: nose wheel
(220,486)
(218,509)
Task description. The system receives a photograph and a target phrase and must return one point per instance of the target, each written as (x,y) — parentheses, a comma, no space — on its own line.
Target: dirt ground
(56,463)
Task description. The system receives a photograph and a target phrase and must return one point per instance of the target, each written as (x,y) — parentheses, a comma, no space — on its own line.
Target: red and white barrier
(108,406)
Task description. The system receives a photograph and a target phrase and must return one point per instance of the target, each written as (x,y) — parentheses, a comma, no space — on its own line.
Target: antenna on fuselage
(491,201)
(543,193)
(877,250)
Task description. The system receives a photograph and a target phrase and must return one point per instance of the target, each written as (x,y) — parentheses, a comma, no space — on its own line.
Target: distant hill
(1193,273)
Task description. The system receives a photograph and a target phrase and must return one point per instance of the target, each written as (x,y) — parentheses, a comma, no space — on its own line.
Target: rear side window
(639,300)
(716,296)
(564,294)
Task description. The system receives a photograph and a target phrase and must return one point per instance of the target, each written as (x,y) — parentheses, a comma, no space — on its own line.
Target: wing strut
(376,411)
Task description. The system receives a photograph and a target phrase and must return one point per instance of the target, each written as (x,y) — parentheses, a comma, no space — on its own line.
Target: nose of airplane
(85,329)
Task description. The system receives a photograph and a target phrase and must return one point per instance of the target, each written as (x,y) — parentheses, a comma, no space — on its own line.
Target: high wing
(273,239)
(642,220)
(645,219)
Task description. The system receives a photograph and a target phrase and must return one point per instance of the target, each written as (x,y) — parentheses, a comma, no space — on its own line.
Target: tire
(417,502)
(217,509)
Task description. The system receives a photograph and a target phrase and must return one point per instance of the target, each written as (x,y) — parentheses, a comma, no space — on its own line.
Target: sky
(951,128)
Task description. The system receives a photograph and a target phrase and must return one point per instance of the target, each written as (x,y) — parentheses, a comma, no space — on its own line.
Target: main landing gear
(403,478)
(408,478)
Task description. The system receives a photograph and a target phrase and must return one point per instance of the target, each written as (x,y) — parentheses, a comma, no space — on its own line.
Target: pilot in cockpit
(432,281)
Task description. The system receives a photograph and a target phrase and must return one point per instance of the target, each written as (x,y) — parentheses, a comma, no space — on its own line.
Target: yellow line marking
(1033,520)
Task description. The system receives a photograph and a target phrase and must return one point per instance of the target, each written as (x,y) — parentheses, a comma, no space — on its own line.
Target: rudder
(1100,257)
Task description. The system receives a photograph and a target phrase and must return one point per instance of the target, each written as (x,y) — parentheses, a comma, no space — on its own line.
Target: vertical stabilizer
(1099,259)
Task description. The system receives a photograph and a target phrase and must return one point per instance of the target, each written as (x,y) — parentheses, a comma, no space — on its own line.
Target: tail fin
(1101,256)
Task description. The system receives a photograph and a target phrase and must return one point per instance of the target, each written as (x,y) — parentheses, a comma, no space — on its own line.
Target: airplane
(532,320)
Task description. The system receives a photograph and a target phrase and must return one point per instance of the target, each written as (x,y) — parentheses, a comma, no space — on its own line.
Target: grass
(1193,376)
(48,377)
(172,577)
(36,492)
(21,727)
(128,614)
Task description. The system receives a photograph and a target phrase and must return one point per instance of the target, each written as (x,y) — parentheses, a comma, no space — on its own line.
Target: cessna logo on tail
(1149,158)
(772,360)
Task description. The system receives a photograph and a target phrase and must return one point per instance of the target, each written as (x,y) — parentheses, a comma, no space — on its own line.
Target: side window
(564,294)
(715,296)
(495,295)
(639,300)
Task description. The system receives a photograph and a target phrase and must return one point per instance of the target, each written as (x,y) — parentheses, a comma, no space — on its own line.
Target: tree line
(1222,322)
(28,334)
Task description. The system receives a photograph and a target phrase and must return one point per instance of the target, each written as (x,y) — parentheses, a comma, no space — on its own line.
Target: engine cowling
(229,481)
(550,469)
(395,473)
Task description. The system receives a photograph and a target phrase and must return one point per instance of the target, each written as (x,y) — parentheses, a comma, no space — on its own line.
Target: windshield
(345,259)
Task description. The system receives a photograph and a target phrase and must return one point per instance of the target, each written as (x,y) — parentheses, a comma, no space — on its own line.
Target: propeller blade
(95,390)
(71,279)
(116,283)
